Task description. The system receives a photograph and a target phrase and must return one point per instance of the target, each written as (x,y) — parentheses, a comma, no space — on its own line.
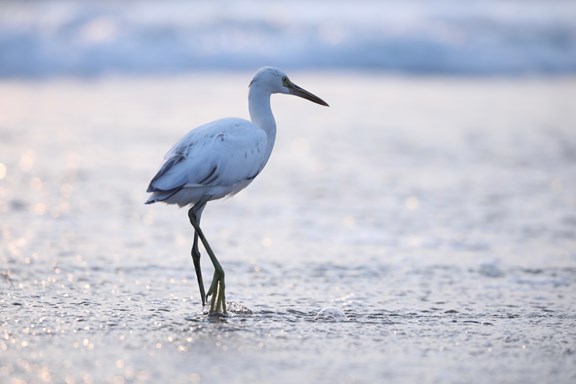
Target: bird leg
(196,260)
(217,303)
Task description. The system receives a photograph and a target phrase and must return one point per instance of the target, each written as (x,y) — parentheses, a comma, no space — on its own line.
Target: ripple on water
(330,313)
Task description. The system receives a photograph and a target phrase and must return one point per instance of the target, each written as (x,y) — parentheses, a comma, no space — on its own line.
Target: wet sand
(418,230)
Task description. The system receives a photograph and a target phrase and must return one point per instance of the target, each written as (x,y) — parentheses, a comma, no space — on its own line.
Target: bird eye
(285,80)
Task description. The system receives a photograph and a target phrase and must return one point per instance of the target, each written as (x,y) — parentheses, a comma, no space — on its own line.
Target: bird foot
(218,299)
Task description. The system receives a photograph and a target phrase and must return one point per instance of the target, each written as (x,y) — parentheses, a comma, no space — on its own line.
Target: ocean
(420,229)
(90,38)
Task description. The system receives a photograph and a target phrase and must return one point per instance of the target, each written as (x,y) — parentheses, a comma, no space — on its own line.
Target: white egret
(220,159)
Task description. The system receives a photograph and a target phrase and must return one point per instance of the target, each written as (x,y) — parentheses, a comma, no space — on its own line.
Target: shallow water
(418,230)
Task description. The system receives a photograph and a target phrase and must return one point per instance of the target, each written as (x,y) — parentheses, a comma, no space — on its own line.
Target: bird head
(277,81)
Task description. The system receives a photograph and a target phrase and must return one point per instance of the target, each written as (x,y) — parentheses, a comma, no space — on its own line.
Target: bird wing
(221,153)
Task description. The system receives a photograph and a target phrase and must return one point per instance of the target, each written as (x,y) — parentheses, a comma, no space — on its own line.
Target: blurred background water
(421,229)
(43,38)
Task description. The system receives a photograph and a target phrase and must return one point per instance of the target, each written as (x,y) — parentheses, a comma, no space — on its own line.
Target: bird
(219,159)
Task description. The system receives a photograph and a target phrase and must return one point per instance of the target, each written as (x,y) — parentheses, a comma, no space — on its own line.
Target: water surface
(418,230)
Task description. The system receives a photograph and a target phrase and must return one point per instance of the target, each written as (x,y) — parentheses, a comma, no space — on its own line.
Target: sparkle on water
(422,231)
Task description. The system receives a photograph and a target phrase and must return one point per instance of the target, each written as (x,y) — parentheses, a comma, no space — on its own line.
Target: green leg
(196,260)
(217,302)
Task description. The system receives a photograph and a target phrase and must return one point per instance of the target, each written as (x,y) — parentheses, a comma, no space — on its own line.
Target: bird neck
(261,113)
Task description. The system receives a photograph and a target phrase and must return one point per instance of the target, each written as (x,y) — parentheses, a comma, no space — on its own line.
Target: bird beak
(297,91)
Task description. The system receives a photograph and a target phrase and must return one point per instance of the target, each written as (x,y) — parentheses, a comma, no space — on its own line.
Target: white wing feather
(220,154)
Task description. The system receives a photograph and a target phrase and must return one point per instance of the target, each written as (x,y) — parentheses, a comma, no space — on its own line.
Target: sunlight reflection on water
(405,243)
